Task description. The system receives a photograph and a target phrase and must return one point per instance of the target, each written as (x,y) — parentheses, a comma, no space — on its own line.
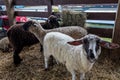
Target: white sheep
(4,44)
(78,55)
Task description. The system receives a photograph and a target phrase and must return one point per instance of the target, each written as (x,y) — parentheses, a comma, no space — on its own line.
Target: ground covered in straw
(32,68)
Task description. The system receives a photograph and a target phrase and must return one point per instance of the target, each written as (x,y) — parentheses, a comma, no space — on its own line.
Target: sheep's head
(31,26)
(92,46)
(26,25)
(53,21)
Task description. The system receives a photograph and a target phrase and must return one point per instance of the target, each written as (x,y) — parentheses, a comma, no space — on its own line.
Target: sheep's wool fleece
(74,57)
(4,42)
(75,32)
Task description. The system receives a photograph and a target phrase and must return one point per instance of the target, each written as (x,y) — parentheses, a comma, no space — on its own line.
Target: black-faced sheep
(77,55)
(20,38)
(51,22)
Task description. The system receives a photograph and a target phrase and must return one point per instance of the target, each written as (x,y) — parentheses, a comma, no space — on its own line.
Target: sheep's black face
(91,46)
(27,25)
(53,21)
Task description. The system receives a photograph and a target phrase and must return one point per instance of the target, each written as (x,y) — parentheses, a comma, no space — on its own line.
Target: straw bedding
(32,68)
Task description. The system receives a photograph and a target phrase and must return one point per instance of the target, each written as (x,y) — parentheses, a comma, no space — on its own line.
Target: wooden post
(50,3)
(116,30)
(116,33)
(10,11)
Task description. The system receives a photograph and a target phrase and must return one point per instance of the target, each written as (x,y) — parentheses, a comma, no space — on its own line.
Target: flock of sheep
(69,45)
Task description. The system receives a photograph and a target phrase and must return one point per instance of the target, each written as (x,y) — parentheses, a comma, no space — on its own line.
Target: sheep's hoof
(17,62)
(41,50)
(16,65)
(52,61)
(46,69)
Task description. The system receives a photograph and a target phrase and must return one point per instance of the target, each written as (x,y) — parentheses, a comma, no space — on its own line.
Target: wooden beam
(102,32)
(93,16)
(101,16)
(49,4)
(32,14)
(32,2)
(63,2)
(55,2)
(116,32)
(10,11)
(116,36)
(35,3)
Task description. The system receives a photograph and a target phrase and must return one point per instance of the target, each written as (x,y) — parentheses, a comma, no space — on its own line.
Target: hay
(32,68)
(72,18)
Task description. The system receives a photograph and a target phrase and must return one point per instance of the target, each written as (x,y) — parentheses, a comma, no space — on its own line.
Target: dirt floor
(32,68)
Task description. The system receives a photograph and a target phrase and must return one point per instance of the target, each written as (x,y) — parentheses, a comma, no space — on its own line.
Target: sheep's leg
(41,48)
(52,61)
(71,70)
(57,61)
(16,56)
(46,62)
(73,75)
(82,75)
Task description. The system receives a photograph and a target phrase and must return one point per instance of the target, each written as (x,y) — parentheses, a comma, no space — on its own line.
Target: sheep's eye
(98,41)
(35,25)
(86,41)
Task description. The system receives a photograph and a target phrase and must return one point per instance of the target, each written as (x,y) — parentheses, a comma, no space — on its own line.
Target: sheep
(36,28)
(51,22)
(77,55)
(20,38)
(5,45)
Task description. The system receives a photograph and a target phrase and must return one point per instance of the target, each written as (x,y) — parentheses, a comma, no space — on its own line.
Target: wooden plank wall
(49,3)
(94,16)
(31,3)
(63,2)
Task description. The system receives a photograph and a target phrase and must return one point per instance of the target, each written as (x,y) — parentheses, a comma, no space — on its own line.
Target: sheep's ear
(26,25)
(108,45)
(48,21)
(76,42)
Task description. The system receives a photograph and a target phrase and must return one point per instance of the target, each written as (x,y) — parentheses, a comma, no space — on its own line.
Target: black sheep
(19,38)
(51,23)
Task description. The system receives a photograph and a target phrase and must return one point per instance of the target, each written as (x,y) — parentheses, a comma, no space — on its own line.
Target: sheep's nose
(91,54)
